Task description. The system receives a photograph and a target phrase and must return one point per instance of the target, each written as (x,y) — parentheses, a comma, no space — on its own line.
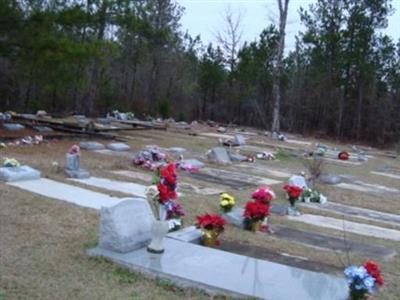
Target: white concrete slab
(239,176)
(260,170)
(114,185)
(115,153)
(216,135)
(367,187)
(69,193)
(386,174)
(297,142)
(342,162)
(187,264)
(134,175)
(353,211)
(348,226)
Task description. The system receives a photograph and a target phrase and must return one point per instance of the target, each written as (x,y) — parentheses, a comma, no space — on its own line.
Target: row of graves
(145,232)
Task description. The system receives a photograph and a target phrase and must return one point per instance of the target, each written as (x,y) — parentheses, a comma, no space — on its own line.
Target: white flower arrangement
(313,196)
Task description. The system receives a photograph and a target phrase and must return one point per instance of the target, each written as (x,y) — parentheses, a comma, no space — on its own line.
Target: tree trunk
(276,78)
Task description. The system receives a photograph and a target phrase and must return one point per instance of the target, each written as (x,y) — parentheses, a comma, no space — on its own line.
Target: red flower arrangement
(168,173)
(343,155)
(211,222)
(255,211)
(293,192)
(176,211)
(165,193)
(375,272)
(263,195)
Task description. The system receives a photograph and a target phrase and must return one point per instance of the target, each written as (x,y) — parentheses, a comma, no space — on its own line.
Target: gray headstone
(219,155)
(13,127)
(91,145)
(221,129)
(239,140)
(12,174)
(72,162)
(277,209)
(274,135)
(299,181)
(330,179)
(72,167)
(189,234)
(235,217)
(118,147)
(126,226)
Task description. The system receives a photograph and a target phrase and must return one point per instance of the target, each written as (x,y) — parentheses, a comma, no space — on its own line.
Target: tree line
(341,80)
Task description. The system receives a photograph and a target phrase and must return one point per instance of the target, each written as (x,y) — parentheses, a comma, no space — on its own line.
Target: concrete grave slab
(69,193)
(189,234)
(115,153)
(297,142)
(342,162)
(43,129)
(201,190)
(260,170)
(367,188)
(118,147)
(193,162)
(329,243)
(126,226)
(14,174)
(13,126)
(114,185)
(134,175)
(89,145)
(216,135)
(386,174)
(358,212)
(227,175)
(348,226)
(189,265)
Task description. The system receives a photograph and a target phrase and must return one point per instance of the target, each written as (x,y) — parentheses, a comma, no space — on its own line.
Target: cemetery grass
(46,239)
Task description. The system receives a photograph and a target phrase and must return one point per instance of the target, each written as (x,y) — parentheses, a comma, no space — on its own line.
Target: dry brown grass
(43,241)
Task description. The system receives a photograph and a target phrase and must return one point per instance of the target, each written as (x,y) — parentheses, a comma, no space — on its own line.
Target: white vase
(158,231)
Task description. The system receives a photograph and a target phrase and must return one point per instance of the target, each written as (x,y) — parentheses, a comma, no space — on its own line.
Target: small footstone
(235,217)
(91,145)
(278,209)
(189,234)
(237,157)
(118,147)
(13,174)
(126,226)
(239,140)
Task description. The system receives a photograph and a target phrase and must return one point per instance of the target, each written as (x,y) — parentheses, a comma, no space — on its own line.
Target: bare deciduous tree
(276,76)
(230,38)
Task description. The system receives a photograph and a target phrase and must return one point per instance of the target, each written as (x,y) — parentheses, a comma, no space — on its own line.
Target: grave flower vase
(210,238)
(359,295)
(158,232)
(255,225)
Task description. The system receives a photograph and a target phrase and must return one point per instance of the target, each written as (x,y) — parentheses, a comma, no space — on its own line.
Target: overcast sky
(205,17)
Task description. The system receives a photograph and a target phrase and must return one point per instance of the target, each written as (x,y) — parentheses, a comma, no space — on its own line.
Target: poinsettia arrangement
(255,211)
(210,222)
(264,195)
(227,202)
(11,163)
(363,280)
(212,226)
(293,192)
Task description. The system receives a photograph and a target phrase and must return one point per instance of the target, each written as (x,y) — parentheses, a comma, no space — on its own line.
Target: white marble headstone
(126,226)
